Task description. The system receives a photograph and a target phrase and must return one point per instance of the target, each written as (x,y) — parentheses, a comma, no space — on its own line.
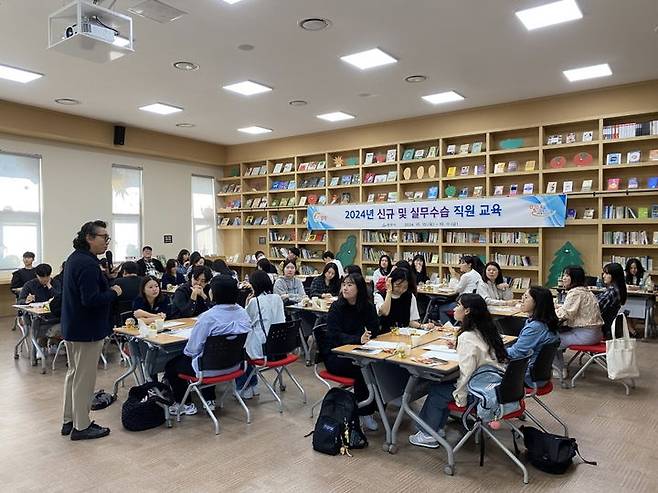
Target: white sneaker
(183,409)
(369,423)
(420,439)
(211,405)
(247,393)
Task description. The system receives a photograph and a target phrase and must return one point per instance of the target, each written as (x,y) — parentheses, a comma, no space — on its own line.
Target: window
(20,209)
(204,229)
(126,212)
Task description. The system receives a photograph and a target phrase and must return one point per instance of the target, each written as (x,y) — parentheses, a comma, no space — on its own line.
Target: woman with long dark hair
(327,283)
(419,269)
(478,344)
(635,273)
(540,328)
(464,279)
(398,307)
(493,287)
(183,259)
(171,276)
(352,319)
(614,296)
(383,269)
(152,304)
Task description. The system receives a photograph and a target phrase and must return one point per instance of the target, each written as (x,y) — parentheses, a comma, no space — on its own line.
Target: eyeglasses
(105,236)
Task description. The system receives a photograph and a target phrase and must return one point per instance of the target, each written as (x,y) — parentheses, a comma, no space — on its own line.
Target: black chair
(590,280)
(119,310)
(510,390)
(280,343)
(307,283)
(541,371)
(219,353)
(510,326)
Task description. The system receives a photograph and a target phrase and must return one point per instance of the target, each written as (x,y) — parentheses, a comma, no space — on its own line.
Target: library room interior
(301,245)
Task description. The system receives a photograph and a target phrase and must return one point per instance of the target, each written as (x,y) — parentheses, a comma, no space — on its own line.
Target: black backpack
(550,453)
(143,409)
(337,428)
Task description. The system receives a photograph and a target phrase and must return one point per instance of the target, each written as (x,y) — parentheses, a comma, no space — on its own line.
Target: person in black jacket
(352,319)
(86,302)
(172,276)
(149,264)
(191,298)
(24,274)
(326,284)
(38,289)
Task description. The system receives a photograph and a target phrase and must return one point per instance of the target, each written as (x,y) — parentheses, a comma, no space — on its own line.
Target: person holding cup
(152,304)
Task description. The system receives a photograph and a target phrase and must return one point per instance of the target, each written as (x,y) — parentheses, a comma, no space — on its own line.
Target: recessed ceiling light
(314,24)
(549,14)
(254,130)
(336,116)
(161,108)
(231,2)
(185,125)
(297,102)
(591,72)
(369,59)
(120,41)
(186,66)
(412,79)
(443,97)
(245,47)
(67,101)
(17,74)
(247,88)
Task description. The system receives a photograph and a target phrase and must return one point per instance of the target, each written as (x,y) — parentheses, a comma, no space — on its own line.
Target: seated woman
(183,260)
(383,269)
(420,270)
(579,313)
(190,299)
(326,284)
(478,344)
(265,265)
(635,273)
(398,308)
(614,296)
(151,304)
(195,260)
(219,266)
(264,309)
(493,288)
(226,317)
(288,286)
(464,280)
(352,319)
(380,285)
(171,276)
(540,328)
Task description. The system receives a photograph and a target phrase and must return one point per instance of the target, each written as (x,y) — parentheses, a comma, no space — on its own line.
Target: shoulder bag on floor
(550,453)
(144,409)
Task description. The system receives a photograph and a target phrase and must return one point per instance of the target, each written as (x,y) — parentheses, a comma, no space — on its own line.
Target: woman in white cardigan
(493,288)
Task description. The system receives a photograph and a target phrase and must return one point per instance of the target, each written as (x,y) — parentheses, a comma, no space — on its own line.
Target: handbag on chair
(620,353)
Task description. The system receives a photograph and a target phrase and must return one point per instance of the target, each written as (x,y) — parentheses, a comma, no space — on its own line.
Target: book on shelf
(302,200)
(369,178)
(225,221)
(345,179)
(586,186)
(262,170)
(588,136)
(528,188)
(551,187)
(655,238)
(571,138)
(291,185)
(589,213)
(530,165)
(463,193)
(302,167)
(292,201)
(554,139)
(512,166)
(513,189)
(613,158)
(432,193)
(419,154)
(653,155)
(571,213)
(465,171)
(345,198)
(451,150)
(334,181)
(321,165)
(633,183)
(392,197)
(479,169)
(369,158)
(499,189)
(476,147)
(249,220)
(419,195)
(382,197)
(408,154)
(321,182)
(312,166)
(356,179)
(380,178)
(391,154)
(287,168)
(371,197)
(431,152)
(290,219)
(633,157)
(652,182)
(322,200)
(278,167)
(643,212)
(392,176)
(499,168)
(463,149)
(408,195)
(567,186)
(654,211)
(613,183)
(452,171)
(477,191)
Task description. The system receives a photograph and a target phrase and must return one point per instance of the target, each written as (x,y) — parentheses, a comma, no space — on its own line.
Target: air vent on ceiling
(156,11)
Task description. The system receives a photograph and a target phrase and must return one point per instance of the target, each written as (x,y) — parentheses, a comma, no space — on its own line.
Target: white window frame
(129,218)
(213,224)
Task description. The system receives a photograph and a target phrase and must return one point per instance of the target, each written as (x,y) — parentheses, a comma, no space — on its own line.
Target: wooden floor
(271,454)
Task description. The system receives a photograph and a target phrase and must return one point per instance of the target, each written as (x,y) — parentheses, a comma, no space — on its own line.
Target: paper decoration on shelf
(558,162)
(511,143)
(352,161)
(347,251)
(407,173)
(338,161)
(431,171)
(420,172)
(380,157)
(565,256)
(451,191)
(583,159)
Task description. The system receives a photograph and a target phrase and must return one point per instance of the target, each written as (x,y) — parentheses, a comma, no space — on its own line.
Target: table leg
(428,309)
(373,393)
(21,325)
(135,363)
(648,318)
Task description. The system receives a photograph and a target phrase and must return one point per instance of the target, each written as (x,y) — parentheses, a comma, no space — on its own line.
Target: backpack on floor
(337,429)
(550,453)
(143,409)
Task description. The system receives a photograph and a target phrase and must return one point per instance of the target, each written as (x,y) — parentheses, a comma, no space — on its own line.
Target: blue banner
(525,211)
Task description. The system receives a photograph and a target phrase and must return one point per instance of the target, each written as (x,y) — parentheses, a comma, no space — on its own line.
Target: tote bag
(620,353)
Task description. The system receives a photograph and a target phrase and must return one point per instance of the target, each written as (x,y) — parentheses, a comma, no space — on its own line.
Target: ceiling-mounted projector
(86,30)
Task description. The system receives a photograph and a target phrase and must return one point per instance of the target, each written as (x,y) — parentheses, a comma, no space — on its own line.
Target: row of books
(313,236)
(631,129)
(380,236)
(645,261)
(382,197)
(520,283)
(312,166)
(256,203)
(421,237)
(478,169)
(474,148)
(513,166)
(278,252)
(278,221)
(629,238)
(371,254)
(282,168)
(342,198)
(308,270)
(430,258)
(380,178)
(453,258)
(570,138)
(255,221)
(276,235)
(229,221)
(432,194)
(624,212)
(345,180)
(380,157)
(515,238)
(613,158)
(410,153)
(505,259)
(465,237)
(567,186)
(587,214)
(257,170)
(284,185)
(315,182)
(231,188)
(632,183)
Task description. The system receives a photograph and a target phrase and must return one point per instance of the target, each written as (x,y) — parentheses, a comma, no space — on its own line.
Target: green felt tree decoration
(565,256)
(347,251)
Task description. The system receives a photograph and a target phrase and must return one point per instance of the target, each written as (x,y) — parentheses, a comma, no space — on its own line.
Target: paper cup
(159,325)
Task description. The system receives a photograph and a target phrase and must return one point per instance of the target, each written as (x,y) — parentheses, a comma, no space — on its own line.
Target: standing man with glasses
(86,302)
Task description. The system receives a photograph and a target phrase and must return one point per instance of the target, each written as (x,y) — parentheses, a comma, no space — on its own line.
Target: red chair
(280,343)
(219,353)
(320,332)
(511,389)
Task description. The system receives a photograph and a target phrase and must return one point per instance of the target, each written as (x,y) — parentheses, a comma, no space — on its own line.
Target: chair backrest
(510,326)
(282,339)
(590,280)
(119,309)
(307,283)
(222,352)
(512,387)
(320,335)
(123,316)
(541,369)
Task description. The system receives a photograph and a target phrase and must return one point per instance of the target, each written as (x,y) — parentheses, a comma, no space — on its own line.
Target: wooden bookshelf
(578,154)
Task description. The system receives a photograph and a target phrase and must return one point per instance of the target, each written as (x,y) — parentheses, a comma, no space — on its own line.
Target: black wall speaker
(119,135)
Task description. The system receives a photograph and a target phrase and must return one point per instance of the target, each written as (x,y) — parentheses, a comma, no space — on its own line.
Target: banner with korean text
(527,211)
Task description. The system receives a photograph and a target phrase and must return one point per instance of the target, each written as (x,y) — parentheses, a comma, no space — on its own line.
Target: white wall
(76,187)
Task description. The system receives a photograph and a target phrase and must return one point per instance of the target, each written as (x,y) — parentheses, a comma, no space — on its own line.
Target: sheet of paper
(172,323)
(438,347)
(408,331)
(444,355)
(381,345)
(184,333)
(366,350)
(448,325)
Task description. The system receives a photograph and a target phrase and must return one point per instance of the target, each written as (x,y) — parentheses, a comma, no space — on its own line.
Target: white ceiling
(475,47)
